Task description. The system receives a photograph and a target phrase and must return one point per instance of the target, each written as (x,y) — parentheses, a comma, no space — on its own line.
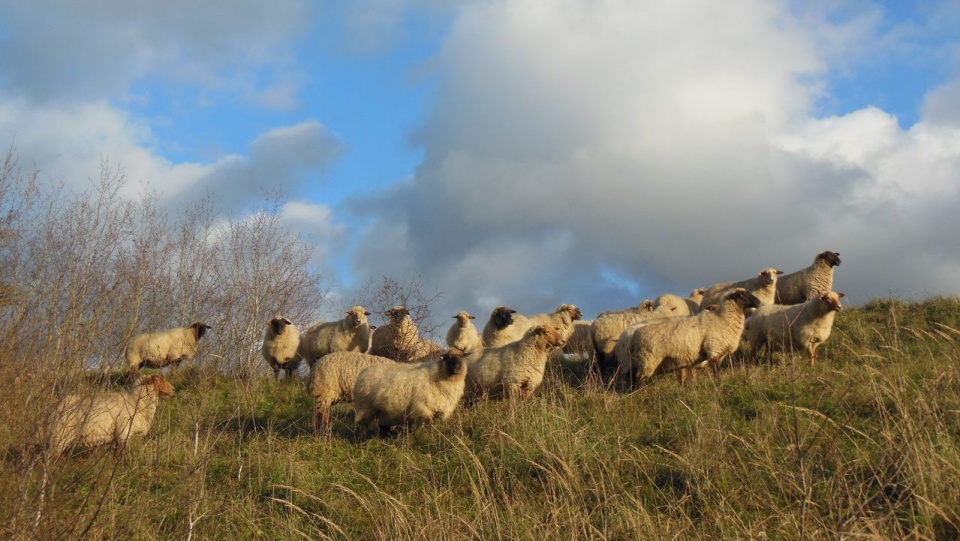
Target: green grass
(866,444)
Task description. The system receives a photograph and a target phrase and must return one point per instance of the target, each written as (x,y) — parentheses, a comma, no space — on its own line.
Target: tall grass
(866,444)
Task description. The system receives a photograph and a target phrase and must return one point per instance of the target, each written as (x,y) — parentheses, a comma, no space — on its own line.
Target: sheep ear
(472,317)
(841,295)
(779,272)
(286,321)
(366,313)
(512,311)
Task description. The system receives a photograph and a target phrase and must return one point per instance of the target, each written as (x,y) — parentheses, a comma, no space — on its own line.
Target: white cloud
(671,144)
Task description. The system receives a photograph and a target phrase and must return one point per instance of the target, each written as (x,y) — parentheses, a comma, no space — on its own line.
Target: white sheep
(684,342)
(333,378)
(399,339)
(409,393)
(808,283)
(794,327)
(514,370)
(280,342)
(502,326)
(580,342)
(676,304)
(352,333)
(463,334)
(609,325)
(159,349)
(763,286)
(697,296)
(562,318)
(81,420)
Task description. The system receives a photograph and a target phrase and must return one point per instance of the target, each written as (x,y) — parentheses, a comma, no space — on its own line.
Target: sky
(521,152)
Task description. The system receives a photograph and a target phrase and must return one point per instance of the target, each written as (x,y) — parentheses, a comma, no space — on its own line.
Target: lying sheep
(500,329)
(763,286)
(399,339)
(608,326)
(352,333)
(789,328)
(398,393)
(685,342)
(514,370)
(280,343)
(333,378)
(808,283)
(463,334)
(173,346)
(112,417)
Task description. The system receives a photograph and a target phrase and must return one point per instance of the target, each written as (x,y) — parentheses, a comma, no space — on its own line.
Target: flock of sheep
(395,377)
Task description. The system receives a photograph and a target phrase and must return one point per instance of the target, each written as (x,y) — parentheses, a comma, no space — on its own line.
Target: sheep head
(574,312)
(502,317)
(278,325)
(463,318)
(830,259)
(769,276)
(743,298)
(397,313)
(548,336)
(357,316)
(832,300)
(646,306)
(452,361)
(200,329)
(697,294)
(161,385)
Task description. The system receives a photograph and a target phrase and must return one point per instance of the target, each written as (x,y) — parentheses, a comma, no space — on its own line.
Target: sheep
(763,286)
(514,370)
(562,318)
(399,339)
(400,393)
(697,296)
(280,343)
(500,329)
(173,346)
(685,342)
(352,333)
(580,342)
(794,327)
(808,283)
(463,334)
(677,304)
(608,326)
(112,417)
(333,377)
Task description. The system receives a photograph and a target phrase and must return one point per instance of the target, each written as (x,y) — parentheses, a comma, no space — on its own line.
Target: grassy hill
(866,444)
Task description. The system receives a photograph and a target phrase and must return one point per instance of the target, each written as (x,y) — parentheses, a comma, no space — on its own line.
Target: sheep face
(502,317)
(396,314)
(200,329)
(744,298)
(646,306)
(832,300)
(278,325)
(548,336)
(357,316)
(697,294)
(463,318)
(452,361)
(769,276)
(831,259)
(162,386)
(574,312)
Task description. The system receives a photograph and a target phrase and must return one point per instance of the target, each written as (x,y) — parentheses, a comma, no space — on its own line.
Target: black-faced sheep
(333,378)
(500,328)
(159,349)
(280,343)
(400,393)
(808,283)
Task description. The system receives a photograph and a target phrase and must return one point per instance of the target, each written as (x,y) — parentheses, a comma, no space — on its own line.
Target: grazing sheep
(280,342)
(398,393)
(514,370)
(333,377)
(685,342)
(399,339)
(763,286)
(608,326)
(352,333)
(112,417)
(173,346)
(580,342)
(808,283)
(794,327)
(500,328)
(463,334)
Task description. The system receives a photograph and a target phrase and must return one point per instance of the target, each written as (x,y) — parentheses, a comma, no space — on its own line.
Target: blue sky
(521,152)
